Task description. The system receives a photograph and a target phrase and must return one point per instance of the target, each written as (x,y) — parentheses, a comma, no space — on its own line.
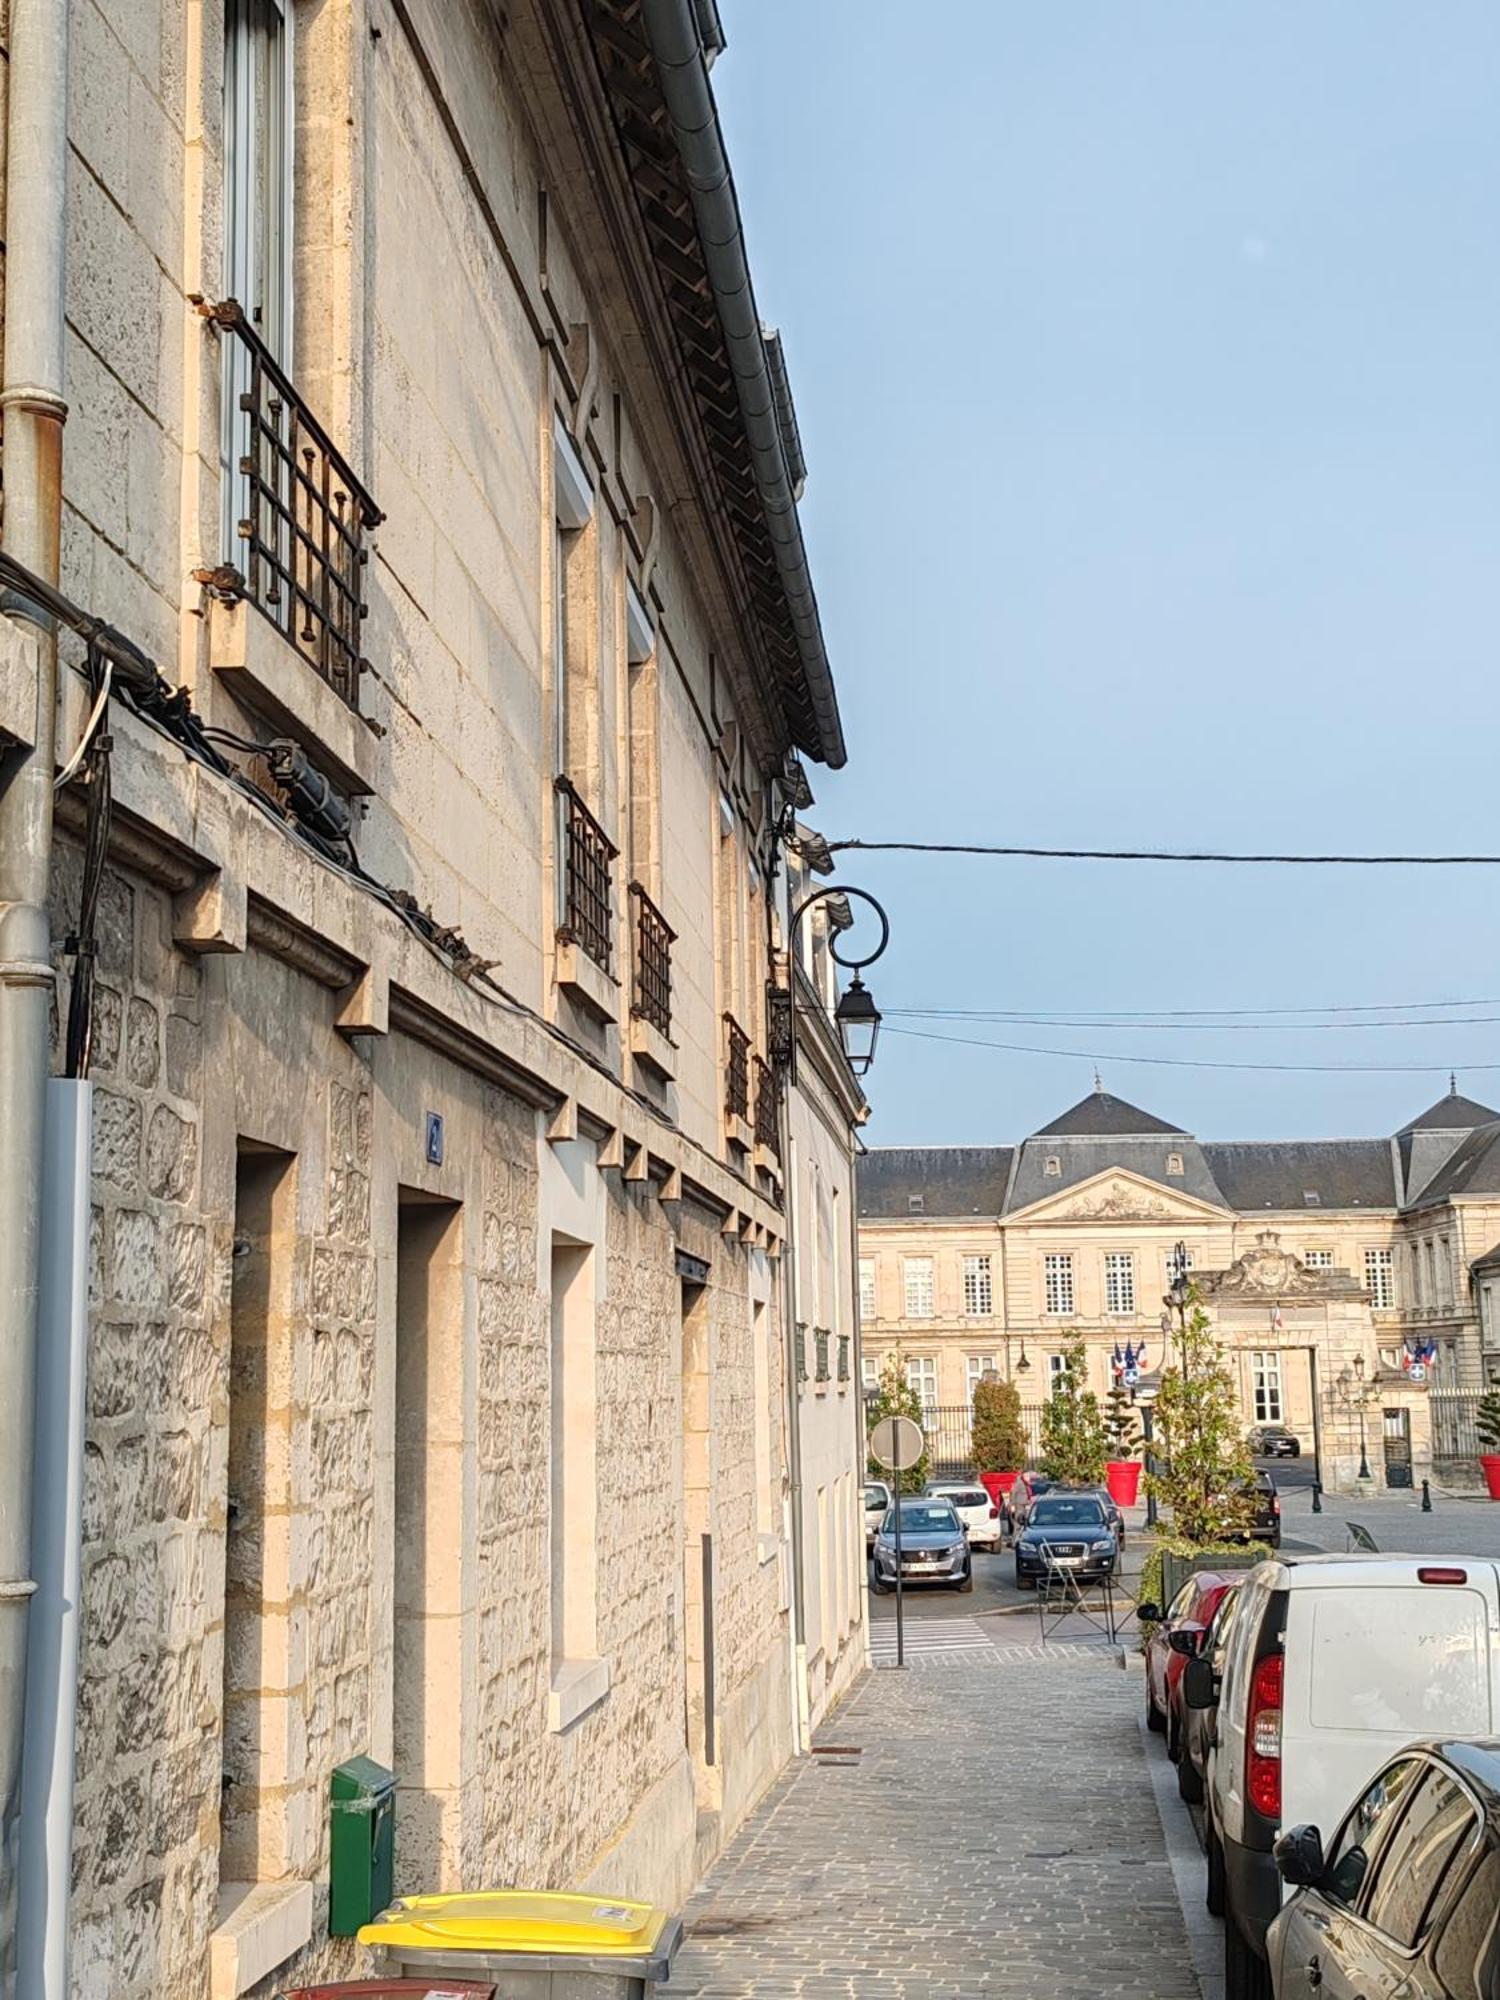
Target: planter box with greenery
(1074,1448)
(999,1440)
(1122,1469)
(1487,1423)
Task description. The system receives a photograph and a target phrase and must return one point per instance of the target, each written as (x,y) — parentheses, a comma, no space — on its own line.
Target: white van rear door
(1368,1669)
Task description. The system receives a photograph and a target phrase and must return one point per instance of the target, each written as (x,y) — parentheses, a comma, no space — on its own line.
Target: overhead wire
(1179,1026)
(1184,1062)
(1165,854)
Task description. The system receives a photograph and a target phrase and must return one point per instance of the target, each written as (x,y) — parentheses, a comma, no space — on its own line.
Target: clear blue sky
(1146,358)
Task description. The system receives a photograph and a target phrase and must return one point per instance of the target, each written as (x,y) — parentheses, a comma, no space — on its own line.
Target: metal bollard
(1426,1498)
(1317,1505)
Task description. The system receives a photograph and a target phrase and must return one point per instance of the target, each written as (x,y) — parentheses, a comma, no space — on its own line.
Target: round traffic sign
(897,1443)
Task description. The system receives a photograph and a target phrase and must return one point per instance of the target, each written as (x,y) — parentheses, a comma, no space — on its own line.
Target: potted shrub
(1073,1443)
(1122,1469)
(1487,1423)
(999,1436)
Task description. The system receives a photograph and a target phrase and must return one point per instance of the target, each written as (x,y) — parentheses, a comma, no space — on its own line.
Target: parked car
(1402,1899)
(1275,1441)
(1016,1505)
(974,1507)
(1333,1663)
(1199,1724)
(1068,1531)
(877,1500)
(1107,1501)
(1176,1636)
(1265,1523)
(934,1548)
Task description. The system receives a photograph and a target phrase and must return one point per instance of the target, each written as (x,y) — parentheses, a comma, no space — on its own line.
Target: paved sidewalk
(996,1838)
(1457,1525)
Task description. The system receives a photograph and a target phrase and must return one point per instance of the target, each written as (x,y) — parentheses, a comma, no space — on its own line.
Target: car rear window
(1432,1678)
(966,1496)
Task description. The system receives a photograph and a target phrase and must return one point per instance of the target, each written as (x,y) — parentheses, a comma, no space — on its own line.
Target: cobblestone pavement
(995,1838)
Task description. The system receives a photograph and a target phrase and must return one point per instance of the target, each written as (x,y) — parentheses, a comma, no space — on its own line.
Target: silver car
(934,1547)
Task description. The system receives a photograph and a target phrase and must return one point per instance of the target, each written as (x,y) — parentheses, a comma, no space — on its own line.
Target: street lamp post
(1356,1395)
(855,1015)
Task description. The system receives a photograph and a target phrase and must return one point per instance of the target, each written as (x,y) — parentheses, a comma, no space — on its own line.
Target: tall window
(1119,1281)
(867,1288)
(1380,1277)
(1057,1365)
(1057,1272)
(1265,1380)
(869,1369)
(978,1293)
(1444,1273)
(917,1272)
(574,1483)
(1318,1260)
(1171,1264)
(921,1375)
(976,1367)
(257,215)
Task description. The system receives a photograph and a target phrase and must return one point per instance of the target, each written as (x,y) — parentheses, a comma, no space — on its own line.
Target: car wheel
(1215,1892)
(878,1586)
(966,1582)
(1189,1784)
(1156,1722)
(1246,1974)
(1174,1741)
(1024,1582)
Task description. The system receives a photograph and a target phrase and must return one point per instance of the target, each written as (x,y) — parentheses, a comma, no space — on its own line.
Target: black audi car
(1068,1531)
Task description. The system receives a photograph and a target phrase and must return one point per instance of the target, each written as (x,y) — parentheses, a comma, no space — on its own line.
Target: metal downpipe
(31,400)
(673,31)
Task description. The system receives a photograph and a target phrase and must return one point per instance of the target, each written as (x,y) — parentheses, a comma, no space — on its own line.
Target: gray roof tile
(950,1181)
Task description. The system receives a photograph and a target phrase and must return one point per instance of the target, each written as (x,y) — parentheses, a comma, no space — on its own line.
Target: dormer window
(1311,1198)
(1053,1167)
(914,1204)
(1174,1166)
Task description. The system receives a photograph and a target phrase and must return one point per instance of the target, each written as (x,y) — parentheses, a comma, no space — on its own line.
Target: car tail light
(1442,1576)
(1263,1738)
(994,1512)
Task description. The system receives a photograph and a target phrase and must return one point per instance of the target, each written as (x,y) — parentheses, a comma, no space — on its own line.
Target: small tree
(1121,1430)
(999,1432)
(1487,1417)
(895,1397)
(1204,1474)
(1073,1443)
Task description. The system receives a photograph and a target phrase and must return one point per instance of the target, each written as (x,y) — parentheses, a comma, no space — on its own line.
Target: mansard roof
(1303,1173)
(1472,1168)
(945,1181)
(1100,1116)
(1453,1113)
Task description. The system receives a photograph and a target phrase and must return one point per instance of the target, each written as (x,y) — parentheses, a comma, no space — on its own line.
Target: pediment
(1116,1195)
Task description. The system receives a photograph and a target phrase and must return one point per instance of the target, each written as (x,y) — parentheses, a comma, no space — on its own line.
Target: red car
(1176,1635)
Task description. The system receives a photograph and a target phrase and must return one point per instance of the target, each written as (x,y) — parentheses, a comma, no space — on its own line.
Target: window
(1174,1166)
(1171,1263)
(867,1288)
(1430,1291)
(1052,1167)
(1444,1273)
(574,1479)
(1311,1198)
(1057,1364)
(1361,1834)
(869,1370)
(1380,1278)
(978,1295)
(1057,1276)
(257,216)
(1318,1260)
(1265,1382)
(1119,1281)
(1409,1872)
(917,1272)
(921,1375)
(915,1204)
(1465,1960)
(976,1367)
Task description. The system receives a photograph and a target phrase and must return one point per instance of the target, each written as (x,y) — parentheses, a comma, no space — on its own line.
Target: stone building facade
(1327,1262)
(439,1354)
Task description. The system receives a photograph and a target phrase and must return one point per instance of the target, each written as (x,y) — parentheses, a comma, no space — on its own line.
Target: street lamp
(858,1021)
(856,1016)
(1355,1397)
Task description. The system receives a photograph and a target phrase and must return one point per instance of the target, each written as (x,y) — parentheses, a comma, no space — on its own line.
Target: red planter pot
(1123,1478)
(998,1484)
(1489,1465)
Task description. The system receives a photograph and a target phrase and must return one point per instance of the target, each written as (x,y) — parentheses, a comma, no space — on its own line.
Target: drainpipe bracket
(35,397)
(16,1589)
(25,972)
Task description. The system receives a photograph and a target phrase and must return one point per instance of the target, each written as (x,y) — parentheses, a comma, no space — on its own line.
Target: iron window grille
(844,1345)
(588,855)
(305,521)
(767,1123)
(799,1357)
(736,1069)
(654,938)
(821,1337)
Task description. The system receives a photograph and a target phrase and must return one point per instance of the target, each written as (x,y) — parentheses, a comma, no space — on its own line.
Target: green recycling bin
(361,1844)
(539,1946)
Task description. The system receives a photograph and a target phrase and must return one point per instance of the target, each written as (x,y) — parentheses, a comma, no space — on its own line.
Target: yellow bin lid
(520,1922)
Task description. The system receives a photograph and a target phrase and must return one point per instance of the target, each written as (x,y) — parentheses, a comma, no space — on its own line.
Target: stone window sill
(651,1048)
(767,1549)
(577,1686)
(588,984)
(261,1925)
(272,679)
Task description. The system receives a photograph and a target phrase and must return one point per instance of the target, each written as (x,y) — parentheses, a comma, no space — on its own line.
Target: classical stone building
(420,427)
(1329,1260)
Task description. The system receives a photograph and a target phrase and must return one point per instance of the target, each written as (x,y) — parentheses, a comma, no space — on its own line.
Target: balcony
(303,515)
(737,1085)
(651,988)
(585,934)
(767,1117)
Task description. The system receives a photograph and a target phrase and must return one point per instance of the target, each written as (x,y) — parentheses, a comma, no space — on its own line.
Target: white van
(1334,1662)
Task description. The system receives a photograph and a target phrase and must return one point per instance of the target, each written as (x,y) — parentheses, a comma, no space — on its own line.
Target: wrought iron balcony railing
(844,1348)
(587,856)
(304,514)
(767,1122)
(736,1069)
(820,1354)
(654,938)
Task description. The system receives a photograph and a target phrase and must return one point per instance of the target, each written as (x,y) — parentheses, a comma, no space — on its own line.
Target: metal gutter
(672,29)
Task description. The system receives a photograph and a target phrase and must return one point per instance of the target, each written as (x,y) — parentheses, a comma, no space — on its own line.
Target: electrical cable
(82,945)
(101,702)
(1167,854)
(1181,1027)
(1192,1014)
(1186,1062)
